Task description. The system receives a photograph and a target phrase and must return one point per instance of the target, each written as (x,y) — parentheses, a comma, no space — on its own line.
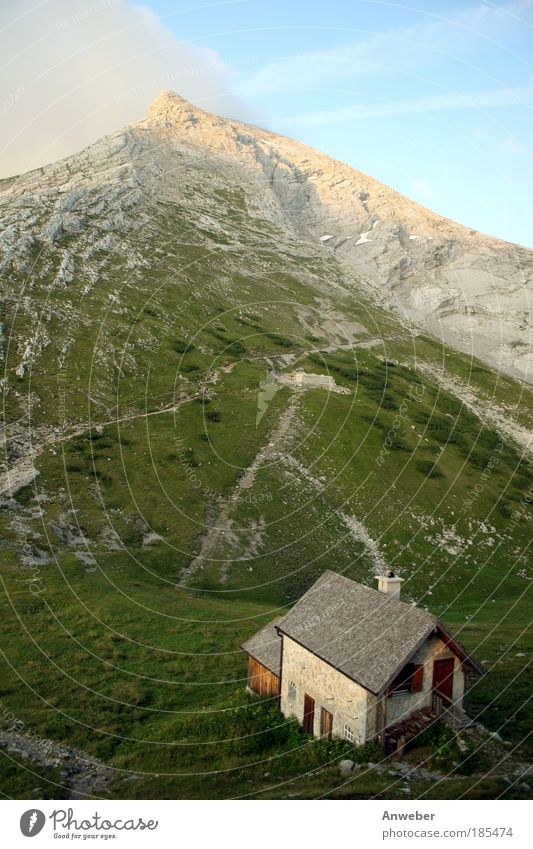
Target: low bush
(280,340)
(428,468)
(181,346)
(442,744)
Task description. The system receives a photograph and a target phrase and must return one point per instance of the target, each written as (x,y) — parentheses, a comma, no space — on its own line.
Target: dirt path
(81,774)
(220,528)
(23,471)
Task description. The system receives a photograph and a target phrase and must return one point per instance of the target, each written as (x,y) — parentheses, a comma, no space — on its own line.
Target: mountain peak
(165,102)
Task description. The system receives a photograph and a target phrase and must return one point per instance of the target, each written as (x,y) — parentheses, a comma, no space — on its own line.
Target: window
(348,734)
(409,680)
(292,691)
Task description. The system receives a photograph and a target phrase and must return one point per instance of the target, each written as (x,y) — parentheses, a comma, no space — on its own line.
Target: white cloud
(452,32)
(489,99)
(74,70)
(511,146)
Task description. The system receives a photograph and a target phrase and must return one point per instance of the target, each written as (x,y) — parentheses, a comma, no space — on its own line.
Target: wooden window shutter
(417,678)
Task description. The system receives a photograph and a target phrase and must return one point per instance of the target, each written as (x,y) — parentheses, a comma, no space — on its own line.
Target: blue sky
(433,98)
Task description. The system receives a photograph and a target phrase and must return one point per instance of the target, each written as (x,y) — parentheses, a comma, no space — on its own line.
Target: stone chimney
(390,584)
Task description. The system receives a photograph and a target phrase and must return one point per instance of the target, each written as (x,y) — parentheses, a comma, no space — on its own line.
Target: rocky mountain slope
(472,290)
(213,389)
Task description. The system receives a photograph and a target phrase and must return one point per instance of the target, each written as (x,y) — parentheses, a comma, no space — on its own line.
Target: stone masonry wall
(349,703)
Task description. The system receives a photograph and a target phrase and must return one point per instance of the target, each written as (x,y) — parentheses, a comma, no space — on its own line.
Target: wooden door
(309,714)
(326,723)
(443,678)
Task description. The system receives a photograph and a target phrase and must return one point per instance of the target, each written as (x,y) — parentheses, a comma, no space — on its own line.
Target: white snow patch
(363,238)
(326,238)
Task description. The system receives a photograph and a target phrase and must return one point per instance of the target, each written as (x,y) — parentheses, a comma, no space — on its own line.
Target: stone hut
(354,662)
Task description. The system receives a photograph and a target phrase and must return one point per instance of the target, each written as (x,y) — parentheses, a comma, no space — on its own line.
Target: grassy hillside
(184,497)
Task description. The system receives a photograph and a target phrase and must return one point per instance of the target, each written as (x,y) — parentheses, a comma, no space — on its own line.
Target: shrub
(231,346)
(375,422)
(489,438)
(74,467)
(104,478)
(397,444)
(440,429)
(213,416)
(349,373)
(236,348)
(384,400)
(77,445)
(449,404)
(370,752)
(479,458)
(280,340)
(182,347)
(442,743)
(505,509)
(472,760)
(188,457)
(373,382)
(388,402)
(428,468)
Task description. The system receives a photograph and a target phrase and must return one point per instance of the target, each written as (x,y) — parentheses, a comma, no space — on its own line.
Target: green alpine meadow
(230,363)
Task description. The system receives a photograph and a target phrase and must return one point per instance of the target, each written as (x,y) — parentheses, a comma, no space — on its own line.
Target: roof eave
(457,647)
(431,628)
(262,662)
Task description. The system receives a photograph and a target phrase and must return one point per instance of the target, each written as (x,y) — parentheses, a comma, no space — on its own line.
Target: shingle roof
(360,631)
(265,646)
(365,634)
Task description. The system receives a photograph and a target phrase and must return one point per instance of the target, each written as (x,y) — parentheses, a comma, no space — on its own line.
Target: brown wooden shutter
(417,678)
